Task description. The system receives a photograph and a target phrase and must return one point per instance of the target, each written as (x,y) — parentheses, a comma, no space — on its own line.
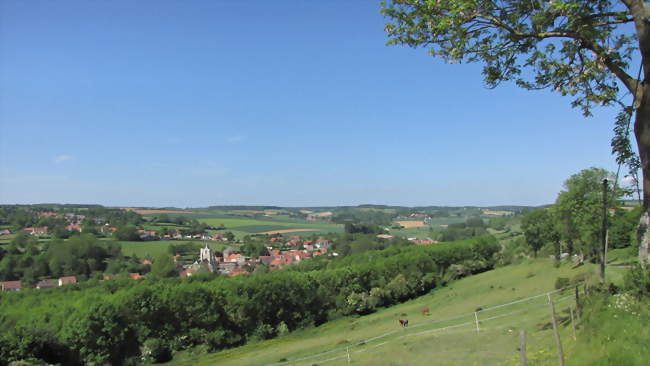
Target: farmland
(246,226)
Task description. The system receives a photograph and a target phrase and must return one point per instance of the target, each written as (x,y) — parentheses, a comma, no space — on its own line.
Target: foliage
(156,351)
(163,266)
(613,331)
(81,255)
(539,229)
(127,233)
(637,281)
(109,322)
(623,224)
(580,210)
(580,49)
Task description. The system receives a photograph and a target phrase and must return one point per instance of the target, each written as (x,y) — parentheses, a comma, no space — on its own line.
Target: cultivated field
(447,336)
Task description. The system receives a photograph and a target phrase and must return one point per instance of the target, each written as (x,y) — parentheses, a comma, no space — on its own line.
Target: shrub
(562,282)
(156,350)
(637,281)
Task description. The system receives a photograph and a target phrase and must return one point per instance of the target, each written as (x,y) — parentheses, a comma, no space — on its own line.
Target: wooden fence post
(522,347)
(556,331)
(478,329)
(573,324)
(348,349)
(578,305)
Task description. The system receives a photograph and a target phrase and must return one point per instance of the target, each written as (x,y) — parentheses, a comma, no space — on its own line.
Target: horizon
(159,104)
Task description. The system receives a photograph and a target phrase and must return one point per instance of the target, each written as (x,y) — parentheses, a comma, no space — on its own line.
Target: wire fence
(472,320)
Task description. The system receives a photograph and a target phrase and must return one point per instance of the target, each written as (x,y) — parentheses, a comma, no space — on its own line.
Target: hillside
(423,343)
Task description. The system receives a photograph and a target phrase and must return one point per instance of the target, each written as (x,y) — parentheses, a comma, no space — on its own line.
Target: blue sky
(292,103)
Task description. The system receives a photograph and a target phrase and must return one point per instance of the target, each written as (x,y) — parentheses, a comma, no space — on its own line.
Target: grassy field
(143,249)
(423,343)
(245,226)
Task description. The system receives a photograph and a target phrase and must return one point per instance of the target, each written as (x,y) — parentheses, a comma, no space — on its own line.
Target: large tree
(588,50)
(579,209)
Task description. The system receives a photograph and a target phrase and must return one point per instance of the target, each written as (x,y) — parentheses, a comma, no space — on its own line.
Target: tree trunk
(642,133)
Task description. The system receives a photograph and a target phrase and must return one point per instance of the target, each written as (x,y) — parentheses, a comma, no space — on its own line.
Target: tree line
(574,224)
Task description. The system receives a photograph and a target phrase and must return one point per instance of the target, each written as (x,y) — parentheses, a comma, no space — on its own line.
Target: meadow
(151,249)
(246,226)
(423,343)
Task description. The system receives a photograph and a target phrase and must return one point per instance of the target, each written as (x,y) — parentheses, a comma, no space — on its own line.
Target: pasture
(246,226)
(423,343)
(143,249)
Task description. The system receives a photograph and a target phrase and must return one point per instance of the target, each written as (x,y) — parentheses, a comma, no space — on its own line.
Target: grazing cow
(425,311)
(404,322)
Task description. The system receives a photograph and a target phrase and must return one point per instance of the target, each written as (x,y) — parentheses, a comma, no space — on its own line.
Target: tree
(622,228)
(539,230)
(163,266)
(582,49)
(580,206)
(127,233)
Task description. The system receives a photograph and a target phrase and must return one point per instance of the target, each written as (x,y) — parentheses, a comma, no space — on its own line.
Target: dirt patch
(152,212)
(287,231)
(410,224)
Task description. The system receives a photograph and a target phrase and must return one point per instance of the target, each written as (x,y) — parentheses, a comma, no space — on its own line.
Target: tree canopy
(587,50)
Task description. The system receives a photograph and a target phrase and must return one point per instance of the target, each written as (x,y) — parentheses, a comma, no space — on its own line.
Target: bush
(637,281)
(156,350)
(562,282)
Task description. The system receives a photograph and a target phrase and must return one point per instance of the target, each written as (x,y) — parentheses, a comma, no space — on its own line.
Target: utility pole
(603,235)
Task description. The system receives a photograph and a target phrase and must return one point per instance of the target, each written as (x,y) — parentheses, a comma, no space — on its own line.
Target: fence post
(522,347)
(578,305)
(556,331)
(478,329)
(573,324)
(348,349)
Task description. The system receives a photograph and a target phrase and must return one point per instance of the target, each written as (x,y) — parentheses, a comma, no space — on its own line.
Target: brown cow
(425,311)
(404,322)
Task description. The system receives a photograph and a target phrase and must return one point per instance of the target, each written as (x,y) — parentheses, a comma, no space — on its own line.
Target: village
(233,263)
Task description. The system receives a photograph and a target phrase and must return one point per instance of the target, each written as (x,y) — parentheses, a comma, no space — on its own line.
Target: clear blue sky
(197,103)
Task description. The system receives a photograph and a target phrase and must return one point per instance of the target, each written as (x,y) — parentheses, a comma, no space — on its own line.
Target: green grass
(143,249)
(244,226)
(496,344)
(615,332)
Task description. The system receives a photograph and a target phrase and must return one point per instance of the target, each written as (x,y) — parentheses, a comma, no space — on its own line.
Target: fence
(473,321)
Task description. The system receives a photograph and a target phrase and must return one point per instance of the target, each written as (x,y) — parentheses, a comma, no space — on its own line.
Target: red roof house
(69,280)
(11,286)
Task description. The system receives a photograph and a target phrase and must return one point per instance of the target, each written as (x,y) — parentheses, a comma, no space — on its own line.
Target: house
(146,262)
(71,227)
(237,272)
(107,230)
(266,259)
(188,272)
(69,280)
(421,241)
(135,276)
(11,286)
(46,284)
(36,230)
(226,267)
(5,232)
(148,235)
(385,236)
(323,244)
